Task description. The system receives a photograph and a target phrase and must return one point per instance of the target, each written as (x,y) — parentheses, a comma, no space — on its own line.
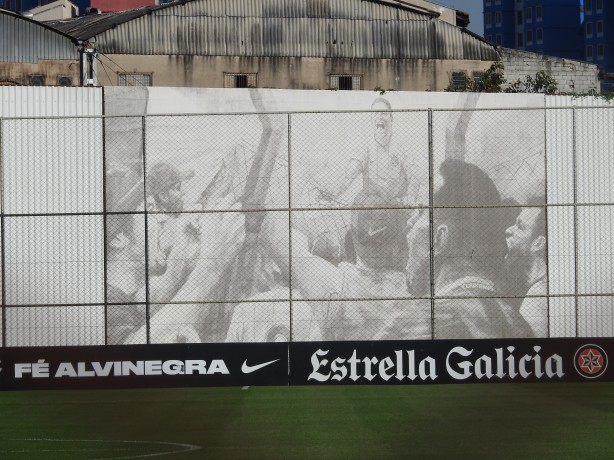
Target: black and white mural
(371,224)
(272,216)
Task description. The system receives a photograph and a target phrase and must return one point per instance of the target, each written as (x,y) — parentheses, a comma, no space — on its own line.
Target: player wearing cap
(165,202)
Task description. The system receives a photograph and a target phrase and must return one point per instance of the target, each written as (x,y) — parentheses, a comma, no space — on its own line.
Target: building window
(498,18)
(589,29)
(37,80)
(519,37)
(488,19)
(529,14)
(477,76)
(600,28)
(497,2)
(529,37)
(599,6)
(539,36)
(345,82)
(538,13)
(519,17)
(240,80)
(64,81)
(487,2)
(600,52)
(498,40)
(134,79)
(589,53)
(588,6)
(459,80)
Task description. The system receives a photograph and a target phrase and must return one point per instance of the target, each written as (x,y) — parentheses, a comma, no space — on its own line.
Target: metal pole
(546,219)
(575,217)
(431,220)
(147,312)
(2,233)
(104,234)
(290,225)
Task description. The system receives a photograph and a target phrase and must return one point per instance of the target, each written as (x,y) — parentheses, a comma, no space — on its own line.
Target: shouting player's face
(382,124)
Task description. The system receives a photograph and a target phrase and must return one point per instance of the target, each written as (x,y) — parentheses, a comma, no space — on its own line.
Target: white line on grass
(184,447)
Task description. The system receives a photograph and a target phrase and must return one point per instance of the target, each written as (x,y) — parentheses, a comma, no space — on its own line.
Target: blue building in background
(599,38)
(573,29)
(552,27)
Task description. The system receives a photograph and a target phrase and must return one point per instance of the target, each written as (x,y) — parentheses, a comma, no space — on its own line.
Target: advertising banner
(451,361)
(416,362)
(176,365)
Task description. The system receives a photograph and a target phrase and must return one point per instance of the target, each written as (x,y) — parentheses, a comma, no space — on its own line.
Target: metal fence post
(104,231)
(2,233)
(290,224)
(431,219)
(147,309)
(575,217)
(546,209)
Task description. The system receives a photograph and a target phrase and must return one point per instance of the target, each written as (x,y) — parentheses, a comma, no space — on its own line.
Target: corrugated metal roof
(383,29)
(24,40)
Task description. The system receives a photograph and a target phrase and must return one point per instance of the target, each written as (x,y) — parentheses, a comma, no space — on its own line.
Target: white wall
(56,167)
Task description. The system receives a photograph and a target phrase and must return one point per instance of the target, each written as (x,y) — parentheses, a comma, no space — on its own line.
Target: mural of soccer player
(165,201)
(230,266)
(525,264)
(383,163)
(378,236)
(126,275)
(468,253)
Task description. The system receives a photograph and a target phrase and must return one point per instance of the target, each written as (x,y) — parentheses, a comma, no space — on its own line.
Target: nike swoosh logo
(372,232)
(249,369)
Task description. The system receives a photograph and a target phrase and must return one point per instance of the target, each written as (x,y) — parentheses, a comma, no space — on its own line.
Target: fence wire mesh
(379,225)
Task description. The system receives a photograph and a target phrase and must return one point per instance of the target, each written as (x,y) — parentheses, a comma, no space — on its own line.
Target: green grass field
(487,421)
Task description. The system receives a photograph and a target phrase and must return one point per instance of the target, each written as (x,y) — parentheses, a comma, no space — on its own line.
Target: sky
(473,7)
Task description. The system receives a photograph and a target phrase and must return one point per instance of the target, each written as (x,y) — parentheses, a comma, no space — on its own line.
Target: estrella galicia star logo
(591,361)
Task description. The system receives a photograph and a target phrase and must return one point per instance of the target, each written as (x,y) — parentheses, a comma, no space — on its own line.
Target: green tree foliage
(493,81)
(541,83)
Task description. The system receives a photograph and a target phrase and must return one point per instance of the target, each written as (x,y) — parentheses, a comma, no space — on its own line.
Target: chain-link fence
(380,225)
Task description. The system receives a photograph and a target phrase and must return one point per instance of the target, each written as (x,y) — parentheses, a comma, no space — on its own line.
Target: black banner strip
(308,363)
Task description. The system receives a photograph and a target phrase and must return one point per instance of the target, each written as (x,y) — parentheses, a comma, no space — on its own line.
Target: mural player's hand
(223,233)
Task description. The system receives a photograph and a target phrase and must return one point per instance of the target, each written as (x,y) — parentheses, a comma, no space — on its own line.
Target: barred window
(240,80)
(477,76)
(134,79)
(37,80)
(459,80)
(345,82)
